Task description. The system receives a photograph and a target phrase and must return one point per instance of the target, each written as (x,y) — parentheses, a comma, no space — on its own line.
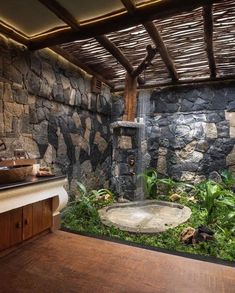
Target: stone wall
(126,160)
(190,130)
(47,108)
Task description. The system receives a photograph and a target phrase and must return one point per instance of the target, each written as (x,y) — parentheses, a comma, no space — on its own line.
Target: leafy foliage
(150,182)
(213,199)
(227,178)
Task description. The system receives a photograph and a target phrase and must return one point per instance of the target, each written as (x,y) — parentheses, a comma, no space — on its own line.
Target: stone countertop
(30,181)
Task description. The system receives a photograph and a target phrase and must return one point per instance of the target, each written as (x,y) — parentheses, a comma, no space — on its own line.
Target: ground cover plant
(212,205)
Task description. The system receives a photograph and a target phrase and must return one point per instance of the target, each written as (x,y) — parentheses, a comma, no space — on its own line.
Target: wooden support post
(130,95)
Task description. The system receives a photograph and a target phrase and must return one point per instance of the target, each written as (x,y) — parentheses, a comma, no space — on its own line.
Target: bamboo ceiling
(183,36)
(194,40)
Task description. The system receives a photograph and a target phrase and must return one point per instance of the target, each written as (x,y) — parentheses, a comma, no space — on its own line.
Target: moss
(85,219)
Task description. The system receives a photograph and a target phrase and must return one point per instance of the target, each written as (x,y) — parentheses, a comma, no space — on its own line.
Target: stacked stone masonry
(47,108)
(190,130)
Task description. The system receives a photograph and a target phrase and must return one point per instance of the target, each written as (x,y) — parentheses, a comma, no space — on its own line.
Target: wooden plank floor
(64,262)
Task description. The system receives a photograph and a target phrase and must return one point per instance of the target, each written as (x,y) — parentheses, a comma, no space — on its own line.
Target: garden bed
(82,216)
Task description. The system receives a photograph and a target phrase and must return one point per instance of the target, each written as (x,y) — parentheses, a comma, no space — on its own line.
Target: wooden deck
(64,262)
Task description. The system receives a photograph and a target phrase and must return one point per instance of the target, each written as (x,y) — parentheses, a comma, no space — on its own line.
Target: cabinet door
(42,216)
(4,230)
(27,222)
(15,226)
(47,214)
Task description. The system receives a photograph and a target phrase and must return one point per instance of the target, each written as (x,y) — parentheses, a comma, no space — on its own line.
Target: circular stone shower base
(148,216)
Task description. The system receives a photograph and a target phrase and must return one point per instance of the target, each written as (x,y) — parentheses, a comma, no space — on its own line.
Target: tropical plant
(227,178)
(150,182)
(154,185)
(213,196)
(87,203)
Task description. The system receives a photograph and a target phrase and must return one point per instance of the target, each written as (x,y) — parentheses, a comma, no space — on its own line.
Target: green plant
(85,206)
(213,196)
(227,178)
(222,247)
(150,182)
(168,184)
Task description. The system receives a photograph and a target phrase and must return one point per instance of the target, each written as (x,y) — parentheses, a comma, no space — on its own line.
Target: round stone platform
(148,216)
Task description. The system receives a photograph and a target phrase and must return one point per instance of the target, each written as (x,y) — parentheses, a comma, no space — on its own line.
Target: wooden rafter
(129,5)
(208,36)
(156,38)
(151,52)
(76,62)
(160,45)
(61,13)
(148,12)
(117,54)
(68,18)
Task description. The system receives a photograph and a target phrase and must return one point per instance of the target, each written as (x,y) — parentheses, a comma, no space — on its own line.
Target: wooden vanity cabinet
(24,223)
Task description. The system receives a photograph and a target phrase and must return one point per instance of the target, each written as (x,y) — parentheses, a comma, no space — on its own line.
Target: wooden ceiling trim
(156,10)
(117,54)
(157,39)
(76,62)
(208,36)
(61,13)
(13,34)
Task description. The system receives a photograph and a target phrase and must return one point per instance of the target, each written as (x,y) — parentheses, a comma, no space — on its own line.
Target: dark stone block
(58,93)
(117,109)
(231,105)
(33,117)
(67,140)
(213,117)
(25,126)
(164,142)
(42,149)
(202,146)
(209,165)
(20,96)
(219,101)
(78,98)
(198,131)
(200,104)
(162,122)
(32,83)
(124,169)
(36,65)
(52,132)
(40,114)
(223,129)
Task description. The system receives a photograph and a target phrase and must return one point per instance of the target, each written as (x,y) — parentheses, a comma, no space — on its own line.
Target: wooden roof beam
(76,62)
(129,5)
(117,54)
(189,82)
(151,52)
(208,37)
(157,40)
(144,13)
(68,18)
(61,13)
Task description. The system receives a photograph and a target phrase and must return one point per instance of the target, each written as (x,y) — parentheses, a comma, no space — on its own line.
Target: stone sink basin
(148,216)
(12,174)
